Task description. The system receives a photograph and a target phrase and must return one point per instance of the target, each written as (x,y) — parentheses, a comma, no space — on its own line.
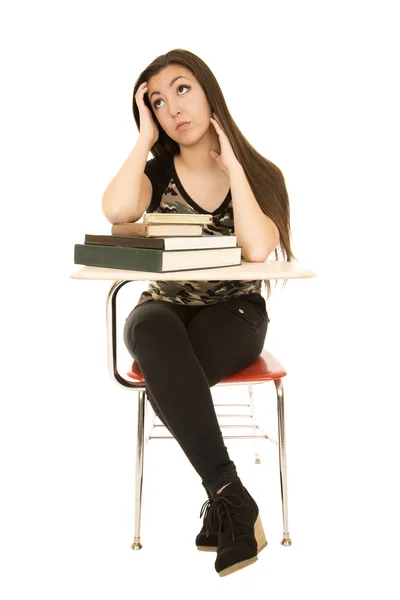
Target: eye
(179,86)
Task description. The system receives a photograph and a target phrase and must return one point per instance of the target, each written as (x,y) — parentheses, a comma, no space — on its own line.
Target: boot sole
(258,533)
(261,544)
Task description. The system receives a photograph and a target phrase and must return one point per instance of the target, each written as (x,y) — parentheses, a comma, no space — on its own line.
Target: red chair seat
(265,368)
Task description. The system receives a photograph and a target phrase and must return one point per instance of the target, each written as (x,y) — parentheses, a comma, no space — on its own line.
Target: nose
(175,111)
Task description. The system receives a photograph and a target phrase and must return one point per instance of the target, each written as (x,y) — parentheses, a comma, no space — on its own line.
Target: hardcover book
(155,260)
(187,218)
(164,243)
(160,230)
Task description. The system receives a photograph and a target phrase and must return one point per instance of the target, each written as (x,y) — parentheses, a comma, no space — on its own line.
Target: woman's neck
(197,158)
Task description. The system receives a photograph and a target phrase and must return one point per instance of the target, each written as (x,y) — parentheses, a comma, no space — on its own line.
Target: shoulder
(156,168)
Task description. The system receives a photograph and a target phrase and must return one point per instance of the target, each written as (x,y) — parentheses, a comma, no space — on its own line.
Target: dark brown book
(167,243)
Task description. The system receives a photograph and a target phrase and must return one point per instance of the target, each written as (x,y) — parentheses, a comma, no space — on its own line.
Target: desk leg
(111,322)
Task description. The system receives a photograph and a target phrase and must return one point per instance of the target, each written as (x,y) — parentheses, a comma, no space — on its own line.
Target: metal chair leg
(257,459)
(286,541)
(139,470)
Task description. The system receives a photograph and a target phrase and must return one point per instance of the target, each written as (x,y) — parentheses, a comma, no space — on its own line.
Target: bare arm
(128,194)
(256,232)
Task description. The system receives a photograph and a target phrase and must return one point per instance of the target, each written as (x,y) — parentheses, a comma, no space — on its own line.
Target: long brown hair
(265,179)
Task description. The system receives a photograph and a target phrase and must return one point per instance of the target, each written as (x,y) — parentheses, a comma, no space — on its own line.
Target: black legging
(184,350)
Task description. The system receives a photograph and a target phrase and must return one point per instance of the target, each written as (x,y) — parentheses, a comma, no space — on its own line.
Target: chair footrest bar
(235,404)
(230,415)
(247,437)
(221,425)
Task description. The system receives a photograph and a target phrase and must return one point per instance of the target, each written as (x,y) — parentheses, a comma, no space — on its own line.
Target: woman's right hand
(147,128)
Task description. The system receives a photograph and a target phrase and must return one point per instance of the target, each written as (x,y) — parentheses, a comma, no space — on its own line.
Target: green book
(155,260)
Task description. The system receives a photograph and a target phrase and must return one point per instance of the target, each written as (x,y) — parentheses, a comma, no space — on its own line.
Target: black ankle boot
(206,541)
(234,515)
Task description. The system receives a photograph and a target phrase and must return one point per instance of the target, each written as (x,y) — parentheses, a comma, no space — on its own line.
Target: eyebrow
(170,85)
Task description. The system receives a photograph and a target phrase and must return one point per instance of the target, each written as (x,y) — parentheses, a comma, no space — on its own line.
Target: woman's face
(184,100)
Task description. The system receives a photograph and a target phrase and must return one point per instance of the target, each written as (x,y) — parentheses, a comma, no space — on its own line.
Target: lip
(183,125)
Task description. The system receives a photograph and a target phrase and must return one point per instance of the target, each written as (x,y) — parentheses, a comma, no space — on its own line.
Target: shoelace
(215,511)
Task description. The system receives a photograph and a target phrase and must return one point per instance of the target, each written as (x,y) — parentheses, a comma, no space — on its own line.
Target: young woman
(189,335)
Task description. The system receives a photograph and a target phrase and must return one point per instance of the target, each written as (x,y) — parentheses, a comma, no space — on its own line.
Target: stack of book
(162,243)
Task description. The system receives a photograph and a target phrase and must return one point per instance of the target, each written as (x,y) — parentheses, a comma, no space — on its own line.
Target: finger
(218,127)
(216,118)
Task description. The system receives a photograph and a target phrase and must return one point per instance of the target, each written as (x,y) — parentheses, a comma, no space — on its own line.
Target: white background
(312,85)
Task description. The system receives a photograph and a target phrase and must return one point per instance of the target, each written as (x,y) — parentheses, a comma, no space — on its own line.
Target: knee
(136,329)
(127,334)
(147,324)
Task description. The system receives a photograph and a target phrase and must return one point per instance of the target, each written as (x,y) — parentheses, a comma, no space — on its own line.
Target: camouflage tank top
(169,196)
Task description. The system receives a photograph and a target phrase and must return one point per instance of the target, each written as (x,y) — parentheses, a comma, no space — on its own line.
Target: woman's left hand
(227,159)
